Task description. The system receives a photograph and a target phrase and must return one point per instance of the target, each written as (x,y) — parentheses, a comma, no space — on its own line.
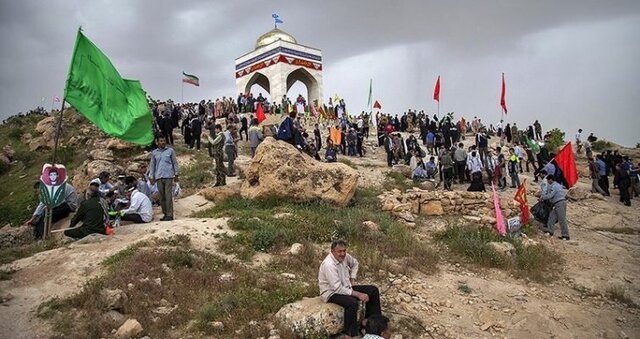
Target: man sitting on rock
(337,273)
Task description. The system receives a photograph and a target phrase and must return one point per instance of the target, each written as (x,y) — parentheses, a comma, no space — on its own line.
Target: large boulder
(311,316)
(279,169)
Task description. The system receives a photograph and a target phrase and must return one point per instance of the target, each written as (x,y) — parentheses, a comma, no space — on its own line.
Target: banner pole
(58,129)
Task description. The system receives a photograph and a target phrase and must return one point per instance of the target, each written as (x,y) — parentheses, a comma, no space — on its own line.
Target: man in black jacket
(92,213)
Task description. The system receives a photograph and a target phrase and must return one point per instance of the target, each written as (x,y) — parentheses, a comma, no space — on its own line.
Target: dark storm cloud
(154,41)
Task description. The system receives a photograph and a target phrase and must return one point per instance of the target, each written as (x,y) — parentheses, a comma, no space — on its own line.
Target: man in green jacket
(92,213)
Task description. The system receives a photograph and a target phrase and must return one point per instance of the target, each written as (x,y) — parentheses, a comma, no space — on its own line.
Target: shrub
(556,139)
(534,262)
(601,145)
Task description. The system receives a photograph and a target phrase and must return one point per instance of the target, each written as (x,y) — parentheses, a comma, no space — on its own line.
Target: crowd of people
(431,146)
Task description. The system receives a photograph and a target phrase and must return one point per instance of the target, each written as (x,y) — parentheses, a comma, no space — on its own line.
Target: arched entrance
(311,84)
(260,80)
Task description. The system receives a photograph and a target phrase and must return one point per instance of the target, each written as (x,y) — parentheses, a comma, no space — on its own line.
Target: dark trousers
(623,186)
(389,159)
(604,184)
(351,303)
(168,136)
(82,231)
(195,141)
(136,218)
(460,169)
(246,133)
(57,213)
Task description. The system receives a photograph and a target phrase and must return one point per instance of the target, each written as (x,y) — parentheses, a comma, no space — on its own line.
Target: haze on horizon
(571,64)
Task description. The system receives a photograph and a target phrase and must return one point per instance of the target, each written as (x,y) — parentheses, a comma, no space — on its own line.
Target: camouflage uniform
(218,157)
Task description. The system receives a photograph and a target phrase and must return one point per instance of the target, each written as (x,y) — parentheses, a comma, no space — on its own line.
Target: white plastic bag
(176,190)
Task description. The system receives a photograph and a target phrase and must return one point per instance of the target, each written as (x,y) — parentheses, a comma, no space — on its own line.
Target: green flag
(95,88)
(370,92)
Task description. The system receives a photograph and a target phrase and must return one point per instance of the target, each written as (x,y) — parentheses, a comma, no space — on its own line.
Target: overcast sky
(571,64)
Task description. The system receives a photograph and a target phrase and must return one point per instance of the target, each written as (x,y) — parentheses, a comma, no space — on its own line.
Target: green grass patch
(190,279)
(16,181)
(262,227)
(535,262)
(399,181)
(348,162)
(601,145)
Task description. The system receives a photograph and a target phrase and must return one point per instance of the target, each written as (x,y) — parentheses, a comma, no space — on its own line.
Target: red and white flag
(436,90)
(56,98)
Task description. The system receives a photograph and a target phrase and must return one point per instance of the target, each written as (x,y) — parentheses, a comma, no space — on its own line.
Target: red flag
(377,105)
(503,96)
(260,114)
(521,198)
(567,165)
(436,90)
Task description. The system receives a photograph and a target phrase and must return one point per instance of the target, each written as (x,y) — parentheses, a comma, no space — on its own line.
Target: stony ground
(460,301)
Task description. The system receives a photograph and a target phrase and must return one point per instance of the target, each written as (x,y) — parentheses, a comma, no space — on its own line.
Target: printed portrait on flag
(52,184)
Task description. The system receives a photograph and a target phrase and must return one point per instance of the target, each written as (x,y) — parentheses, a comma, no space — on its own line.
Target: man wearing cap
(555,195)
(163,170)
(140,209)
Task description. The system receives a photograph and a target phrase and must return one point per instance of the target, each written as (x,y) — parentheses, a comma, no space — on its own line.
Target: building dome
(273,36)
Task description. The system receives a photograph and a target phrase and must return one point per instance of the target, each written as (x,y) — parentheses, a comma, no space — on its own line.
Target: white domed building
(276,63)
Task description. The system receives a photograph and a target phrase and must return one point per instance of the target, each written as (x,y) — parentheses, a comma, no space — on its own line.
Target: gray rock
(114,318)
(503,248)
(130,329)
(296,249)
(113,299)
(311,316)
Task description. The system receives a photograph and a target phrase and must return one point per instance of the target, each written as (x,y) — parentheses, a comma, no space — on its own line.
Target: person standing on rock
(230,149)
(594,174)
(164,170)
(255,136)
(335,279)
(555,195)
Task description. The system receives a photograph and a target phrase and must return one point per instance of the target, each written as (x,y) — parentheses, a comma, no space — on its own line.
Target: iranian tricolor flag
(190,79)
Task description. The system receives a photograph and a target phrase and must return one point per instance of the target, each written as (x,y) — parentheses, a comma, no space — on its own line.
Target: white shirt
(519,152)
(578,137)
(474,163)
(141,205)
(334,277)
